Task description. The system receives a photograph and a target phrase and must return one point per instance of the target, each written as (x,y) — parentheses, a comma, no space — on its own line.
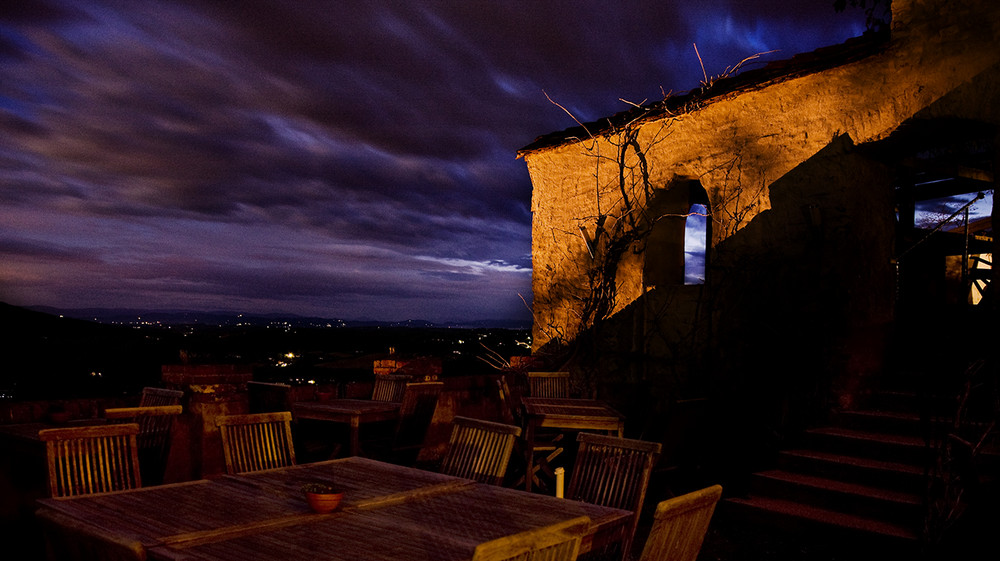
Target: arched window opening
(695,244)
(677,249)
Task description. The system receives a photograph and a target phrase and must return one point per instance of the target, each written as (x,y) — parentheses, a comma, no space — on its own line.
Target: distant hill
(49,356)
(28,322)
(222,318)
(53,354)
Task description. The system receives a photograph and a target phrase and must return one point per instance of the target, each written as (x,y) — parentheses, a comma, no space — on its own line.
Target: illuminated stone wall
(803,220)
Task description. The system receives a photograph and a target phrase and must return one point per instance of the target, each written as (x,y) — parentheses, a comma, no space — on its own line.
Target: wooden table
(388,512)
(566,414)
(28,432)
(352,412)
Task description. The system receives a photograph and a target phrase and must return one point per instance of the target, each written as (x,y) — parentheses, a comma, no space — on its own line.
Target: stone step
(899,507)
(869,444)
(866,471)
(913,403)
(794,516)
(866,476)
(894,422)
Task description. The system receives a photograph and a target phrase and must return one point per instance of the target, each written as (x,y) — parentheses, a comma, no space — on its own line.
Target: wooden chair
(510,404)
(545,446)
(479,450)
(558,542)
(415,413)
(91,459)
(679,526)
(153,397)
(614,472)
(548,384)
(390,387)
(153,440)
(67,539)
(268,397)
(311,439)
(257,441)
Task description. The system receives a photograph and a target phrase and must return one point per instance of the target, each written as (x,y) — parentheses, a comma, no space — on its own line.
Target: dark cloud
(342,159)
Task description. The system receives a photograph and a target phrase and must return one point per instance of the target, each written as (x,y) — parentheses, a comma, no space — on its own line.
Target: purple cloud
(316,157)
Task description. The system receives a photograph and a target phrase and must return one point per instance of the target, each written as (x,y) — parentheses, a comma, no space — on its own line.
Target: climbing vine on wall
(617,229)
(620,222)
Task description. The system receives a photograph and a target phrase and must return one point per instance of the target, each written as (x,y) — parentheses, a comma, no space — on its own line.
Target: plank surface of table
(388,512)
(343,409)
(570,413)
(444,526)
(232,502)
(29,431)
(352,412)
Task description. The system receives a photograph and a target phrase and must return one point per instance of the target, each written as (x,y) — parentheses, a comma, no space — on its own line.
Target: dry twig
(568,113)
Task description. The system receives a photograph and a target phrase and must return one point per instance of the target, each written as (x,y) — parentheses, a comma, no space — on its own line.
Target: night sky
(340,159)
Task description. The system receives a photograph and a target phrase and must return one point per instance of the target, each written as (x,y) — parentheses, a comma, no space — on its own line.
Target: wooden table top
(172,511)
(335,409)
(388,512)
(24,431)
(29,431)
(551,407)
(443,527)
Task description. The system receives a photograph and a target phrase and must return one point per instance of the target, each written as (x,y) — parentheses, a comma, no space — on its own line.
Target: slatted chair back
(269,397)
(679,526)
(69,539)
(154,434)
(257,441)
(152,397)
(415,413)
(92,459)
(614,472)
(548,384)
(479,450)
(509,410)
(154,423)
(558,542)
(390,387)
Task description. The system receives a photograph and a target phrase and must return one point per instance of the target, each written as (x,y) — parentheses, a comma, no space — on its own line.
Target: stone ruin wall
(746,142)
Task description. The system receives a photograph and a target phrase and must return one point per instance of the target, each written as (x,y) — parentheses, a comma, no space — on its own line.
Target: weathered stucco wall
(791,200)
(748,141)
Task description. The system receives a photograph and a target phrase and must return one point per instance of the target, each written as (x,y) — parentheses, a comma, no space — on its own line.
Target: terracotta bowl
(324,502)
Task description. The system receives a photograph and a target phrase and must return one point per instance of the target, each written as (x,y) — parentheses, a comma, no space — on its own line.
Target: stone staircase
(863,477)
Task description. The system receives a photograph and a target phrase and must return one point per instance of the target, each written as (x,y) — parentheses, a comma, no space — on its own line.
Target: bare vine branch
(703,73)
(568,113)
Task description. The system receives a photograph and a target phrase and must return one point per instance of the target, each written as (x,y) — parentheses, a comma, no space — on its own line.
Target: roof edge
(803,64)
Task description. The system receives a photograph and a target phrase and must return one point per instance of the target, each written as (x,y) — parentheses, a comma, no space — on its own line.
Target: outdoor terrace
(731,535)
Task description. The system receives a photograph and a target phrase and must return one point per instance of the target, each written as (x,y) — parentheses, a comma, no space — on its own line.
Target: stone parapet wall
(427,368)
(210,391)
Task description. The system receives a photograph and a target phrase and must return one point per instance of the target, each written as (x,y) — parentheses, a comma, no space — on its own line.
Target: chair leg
(334,451)
(541,465)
